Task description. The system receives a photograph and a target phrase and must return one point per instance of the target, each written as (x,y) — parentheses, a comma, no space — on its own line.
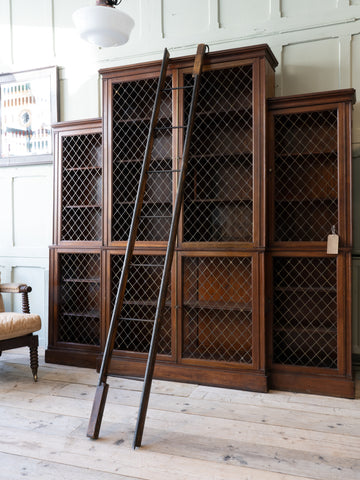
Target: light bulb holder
(108,3)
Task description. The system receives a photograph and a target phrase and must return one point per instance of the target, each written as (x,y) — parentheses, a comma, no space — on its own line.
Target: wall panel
(66,37)
(187,16)
(242,12)
(5,33)
(32,31)
(32,210)
(293,8)
(35,276)
(6,230)
(79,83)
(356,305)
(311,66)
(25,234)
(356,202)
(34,273)
(355,82)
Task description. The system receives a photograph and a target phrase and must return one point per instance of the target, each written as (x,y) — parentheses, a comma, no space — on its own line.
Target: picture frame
(28,108)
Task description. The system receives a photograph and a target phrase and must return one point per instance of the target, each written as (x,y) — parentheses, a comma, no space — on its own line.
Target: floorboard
(191,433)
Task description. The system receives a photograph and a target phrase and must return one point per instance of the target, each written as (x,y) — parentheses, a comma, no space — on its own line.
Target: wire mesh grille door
(139,307)
(132,106)
(217,309)
(79,303)
(305,311)
(306,164)
(218,200)
(81,191)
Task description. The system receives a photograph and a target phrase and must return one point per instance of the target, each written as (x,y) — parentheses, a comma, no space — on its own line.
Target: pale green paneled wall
(317,44)
(315,41)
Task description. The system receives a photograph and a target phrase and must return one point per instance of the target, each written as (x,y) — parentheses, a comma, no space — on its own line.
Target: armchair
(17,329)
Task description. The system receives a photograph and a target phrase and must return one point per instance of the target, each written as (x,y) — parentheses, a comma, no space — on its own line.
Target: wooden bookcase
(254,300)
(75,328)
(309,290)
(214,304)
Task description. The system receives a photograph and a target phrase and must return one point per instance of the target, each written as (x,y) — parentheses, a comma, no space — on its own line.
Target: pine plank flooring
(192,432)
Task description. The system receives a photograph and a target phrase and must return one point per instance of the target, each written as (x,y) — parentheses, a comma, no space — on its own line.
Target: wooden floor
(191,432)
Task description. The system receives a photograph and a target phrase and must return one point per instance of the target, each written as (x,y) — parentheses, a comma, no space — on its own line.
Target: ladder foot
(97,411)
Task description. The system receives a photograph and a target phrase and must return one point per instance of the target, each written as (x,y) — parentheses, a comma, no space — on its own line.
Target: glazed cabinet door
(132,103)
(309,170)
(79,183)
(75,307)
(220,325)
(137,315)
(220,186)
(311,318)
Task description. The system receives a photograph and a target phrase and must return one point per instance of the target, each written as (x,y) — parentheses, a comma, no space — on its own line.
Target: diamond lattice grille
(133,105)
(218,193)
(79,303)
(306,191)
(217,318)
(305,312)
(138,312)
(81,188)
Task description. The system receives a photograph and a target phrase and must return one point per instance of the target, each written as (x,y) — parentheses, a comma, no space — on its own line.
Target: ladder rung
(163,171)
(147,265)
(156,216)
(177,88)
(168,128)
(136,319)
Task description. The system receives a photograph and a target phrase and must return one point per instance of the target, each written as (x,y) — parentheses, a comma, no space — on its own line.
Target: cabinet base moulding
(75,358)
(330,385)
(236,379)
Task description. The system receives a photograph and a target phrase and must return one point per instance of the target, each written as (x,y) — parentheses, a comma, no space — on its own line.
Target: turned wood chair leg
(34,361)
(34,357)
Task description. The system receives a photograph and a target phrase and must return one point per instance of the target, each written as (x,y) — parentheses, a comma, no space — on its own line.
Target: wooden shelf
(219,306)
(299,289)
(81,280)
(234,201)
(95,315)
(90,167)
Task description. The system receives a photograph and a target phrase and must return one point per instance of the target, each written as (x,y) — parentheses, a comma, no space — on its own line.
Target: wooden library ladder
(102,387)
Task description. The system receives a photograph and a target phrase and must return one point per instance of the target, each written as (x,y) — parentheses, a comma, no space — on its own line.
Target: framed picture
(28,108)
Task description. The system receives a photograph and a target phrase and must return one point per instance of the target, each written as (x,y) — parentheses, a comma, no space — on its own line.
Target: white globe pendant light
(103,24)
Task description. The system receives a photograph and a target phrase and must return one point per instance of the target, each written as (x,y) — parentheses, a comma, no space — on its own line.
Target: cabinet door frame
(259,93)
(143,72)
(258,311)
(313,103)
(313,379)
(70,353)
(61,131)
(107,295)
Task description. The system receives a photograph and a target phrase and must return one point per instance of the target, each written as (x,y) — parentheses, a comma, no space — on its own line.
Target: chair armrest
(18,288)
(14,288)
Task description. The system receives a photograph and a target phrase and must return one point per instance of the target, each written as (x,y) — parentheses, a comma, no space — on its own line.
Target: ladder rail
(169,253)
(102,387)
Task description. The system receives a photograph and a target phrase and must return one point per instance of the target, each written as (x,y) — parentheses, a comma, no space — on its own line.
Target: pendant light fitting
(103,26)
